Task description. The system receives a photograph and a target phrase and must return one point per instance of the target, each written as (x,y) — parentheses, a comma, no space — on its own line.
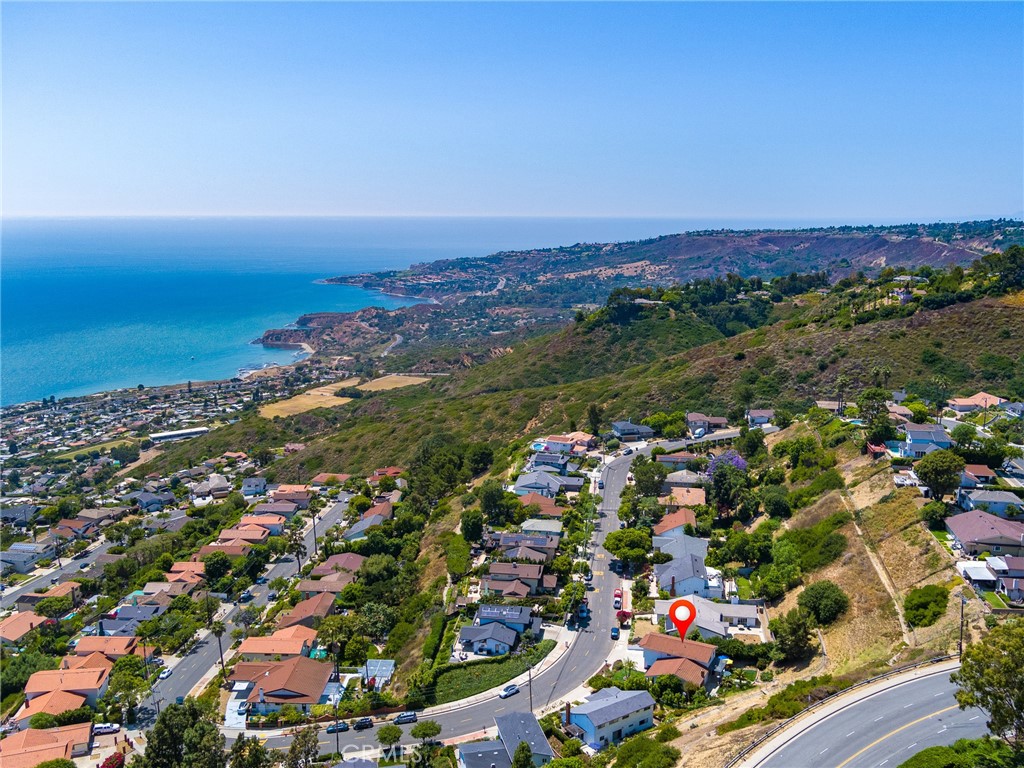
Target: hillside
(972,345)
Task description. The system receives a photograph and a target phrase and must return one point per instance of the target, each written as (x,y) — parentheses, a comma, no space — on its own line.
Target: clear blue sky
(860,112)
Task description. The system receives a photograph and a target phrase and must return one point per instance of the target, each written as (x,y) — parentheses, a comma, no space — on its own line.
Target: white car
(164,674)
(508,690)
(106,728)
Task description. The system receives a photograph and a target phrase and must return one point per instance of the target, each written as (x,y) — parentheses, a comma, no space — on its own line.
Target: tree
(776,501)
(296,545)
(305,748)
(389,735)
(54,607)
(594,416)
(523,756)
(183,736)
(991,677)
(472,525)
(824,600)
(248,616)
(940,471)
(648,475)
(251,753)
(629,545)
(126,689)
(425,730)
(218,629)
(873,402)
(792,635)
(217,565)
(963,436)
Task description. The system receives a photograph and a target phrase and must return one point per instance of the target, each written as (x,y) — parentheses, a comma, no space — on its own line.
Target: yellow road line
(878,741)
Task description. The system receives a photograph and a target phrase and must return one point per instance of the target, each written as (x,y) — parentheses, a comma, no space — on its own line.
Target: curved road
(883,728)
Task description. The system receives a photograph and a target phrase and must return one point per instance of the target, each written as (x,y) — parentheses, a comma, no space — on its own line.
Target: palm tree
(218,630)
(295,545)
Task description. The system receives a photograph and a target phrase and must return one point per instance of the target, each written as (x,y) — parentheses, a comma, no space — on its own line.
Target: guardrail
(786,723)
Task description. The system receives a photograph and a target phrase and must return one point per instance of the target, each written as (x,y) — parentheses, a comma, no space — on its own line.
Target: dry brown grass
(910,553)
(320,397)
(394,381)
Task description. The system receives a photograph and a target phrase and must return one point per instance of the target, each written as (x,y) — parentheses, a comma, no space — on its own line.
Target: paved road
(585,657)
(69,567)
(883,729)
(204,655)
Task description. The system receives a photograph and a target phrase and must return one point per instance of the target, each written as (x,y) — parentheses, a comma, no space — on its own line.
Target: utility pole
(963,602)
(315,553)
(529,675)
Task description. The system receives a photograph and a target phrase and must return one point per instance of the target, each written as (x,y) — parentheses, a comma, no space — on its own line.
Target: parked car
(615,633)
(181,700)
(405,717)
(83,567)
(588,576)
(54,580)
(508,690)
(164,674)
(617,592)
(600,483)
(245,597)
(339,727)
(617,603)
(627,452)
(363,723)
(699,434)
(243,707)
(272,595)
(261,579)
(106,728)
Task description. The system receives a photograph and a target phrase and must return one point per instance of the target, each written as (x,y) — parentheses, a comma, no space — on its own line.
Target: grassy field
(387,383)
(97,447)
(993,599)
(320,397)
(459,683)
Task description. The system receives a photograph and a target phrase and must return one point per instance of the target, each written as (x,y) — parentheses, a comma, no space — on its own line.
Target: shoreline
(333,281)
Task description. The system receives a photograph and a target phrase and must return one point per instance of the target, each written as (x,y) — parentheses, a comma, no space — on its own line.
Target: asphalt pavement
(68,567)
(883,728)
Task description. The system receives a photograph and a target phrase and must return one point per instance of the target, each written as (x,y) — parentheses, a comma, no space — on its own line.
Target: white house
(492,639)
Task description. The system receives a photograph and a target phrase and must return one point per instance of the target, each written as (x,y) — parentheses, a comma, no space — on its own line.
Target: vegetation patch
(926,605)
(459,681)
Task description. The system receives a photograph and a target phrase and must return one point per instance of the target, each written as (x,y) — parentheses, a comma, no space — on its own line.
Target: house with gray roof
(361,529)
(717,619)
(492,639)
(1002,503)
(609,716)
(482,754)
(517,727)
(628,431)
(546,484)
(922,439)
(517,617)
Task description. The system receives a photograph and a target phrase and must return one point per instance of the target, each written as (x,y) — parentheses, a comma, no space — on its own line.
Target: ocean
(88,305)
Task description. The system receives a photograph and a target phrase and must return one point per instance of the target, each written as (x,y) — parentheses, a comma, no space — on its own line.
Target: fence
(786,723)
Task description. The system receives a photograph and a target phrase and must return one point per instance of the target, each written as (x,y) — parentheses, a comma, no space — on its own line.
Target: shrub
(824,600)
(925,605)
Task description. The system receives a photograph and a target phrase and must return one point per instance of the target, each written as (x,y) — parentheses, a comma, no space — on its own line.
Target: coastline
(381,291)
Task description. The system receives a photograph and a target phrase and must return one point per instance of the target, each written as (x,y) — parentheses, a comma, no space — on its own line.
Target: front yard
(462,681)
(993,598)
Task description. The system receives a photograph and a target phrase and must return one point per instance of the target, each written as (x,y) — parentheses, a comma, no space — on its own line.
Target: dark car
(363,723)
(406,717)
(340,727)
(615,633)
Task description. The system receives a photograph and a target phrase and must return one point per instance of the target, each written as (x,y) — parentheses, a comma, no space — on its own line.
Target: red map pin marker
(682,613)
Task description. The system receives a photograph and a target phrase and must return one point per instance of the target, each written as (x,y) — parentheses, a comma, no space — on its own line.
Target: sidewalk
(811,718)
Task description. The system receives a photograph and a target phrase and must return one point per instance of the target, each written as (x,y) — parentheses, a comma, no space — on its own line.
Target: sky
(834,112)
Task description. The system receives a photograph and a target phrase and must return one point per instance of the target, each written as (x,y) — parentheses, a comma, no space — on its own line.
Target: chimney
(568,712)
(262,699)
(672,591)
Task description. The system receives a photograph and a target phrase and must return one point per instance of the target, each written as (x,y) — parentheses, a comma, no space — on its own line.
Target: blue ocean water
(88,305)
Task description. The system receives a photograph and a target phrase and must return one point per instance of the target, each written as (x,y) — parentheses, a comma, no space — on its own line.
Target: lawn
(462,681)
(743,587)
(993,599)
(101,447)
(943,538)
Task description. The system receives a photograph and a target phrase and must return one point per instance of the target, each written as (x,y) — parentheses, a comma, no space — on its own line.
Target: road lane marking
(908,705)
(879,718)
(912,745)
(850,734)
(879,740)
(974,718)
(823,751)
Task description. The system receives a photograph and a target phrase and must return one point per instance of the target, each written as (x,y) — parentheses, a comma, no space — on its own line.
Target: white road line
(883,762)
(974,718)
(908,705)
(850,734)
(912,745)
(823,751)
(879,718)
(940,693)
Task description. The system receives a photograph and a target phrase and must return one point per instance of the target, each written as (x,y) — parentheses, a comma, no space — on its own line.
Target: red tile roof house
(18,625)
(325,479)
(28,748)
(75,529)
(282,644)
(253,534)
(273,523)
(977,531)
(975,402)
(665,654)
(309,612)
(299,681)
(548,507)
(89,682)
(332,584)
(675,522)
(976,475)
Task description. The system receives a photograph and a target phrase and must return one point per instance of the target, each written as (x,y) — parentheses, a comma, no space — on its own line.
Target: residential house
(244,532)
(1013,410)
(151,502)
(539,527)
(492,639)
(482,754)
(975,402)
(348,562)
(273,523)
(33,746)
(17,626)
(657,646)
(688,575)
(558,463)
(547,484)
(684,478)
(679,498)
(22,556)
(299,681)
(674,523)
(977,475)
(19,515)
(975,532)
(297,494)
(285,508)
(758,417)
(232,550)
(1012,588)
(254,486)
(111,647)
(698,421)
(90,683)
(362,529)
(922,439)
(508,543)
(676,461)
(516,617)
(102,515)
(75,529)
(1002,503)
(832,406)
(610,715)
(309,612)
(559,444)
(50,703)
(630,432)
(516,579)
(282,644)
(546,506)
(377,673)
(1014,468)
(718,620)
(516,727)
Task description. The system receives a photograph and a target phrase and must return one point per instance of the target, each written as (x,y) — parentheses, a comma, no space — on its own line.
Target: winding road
(878,727)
